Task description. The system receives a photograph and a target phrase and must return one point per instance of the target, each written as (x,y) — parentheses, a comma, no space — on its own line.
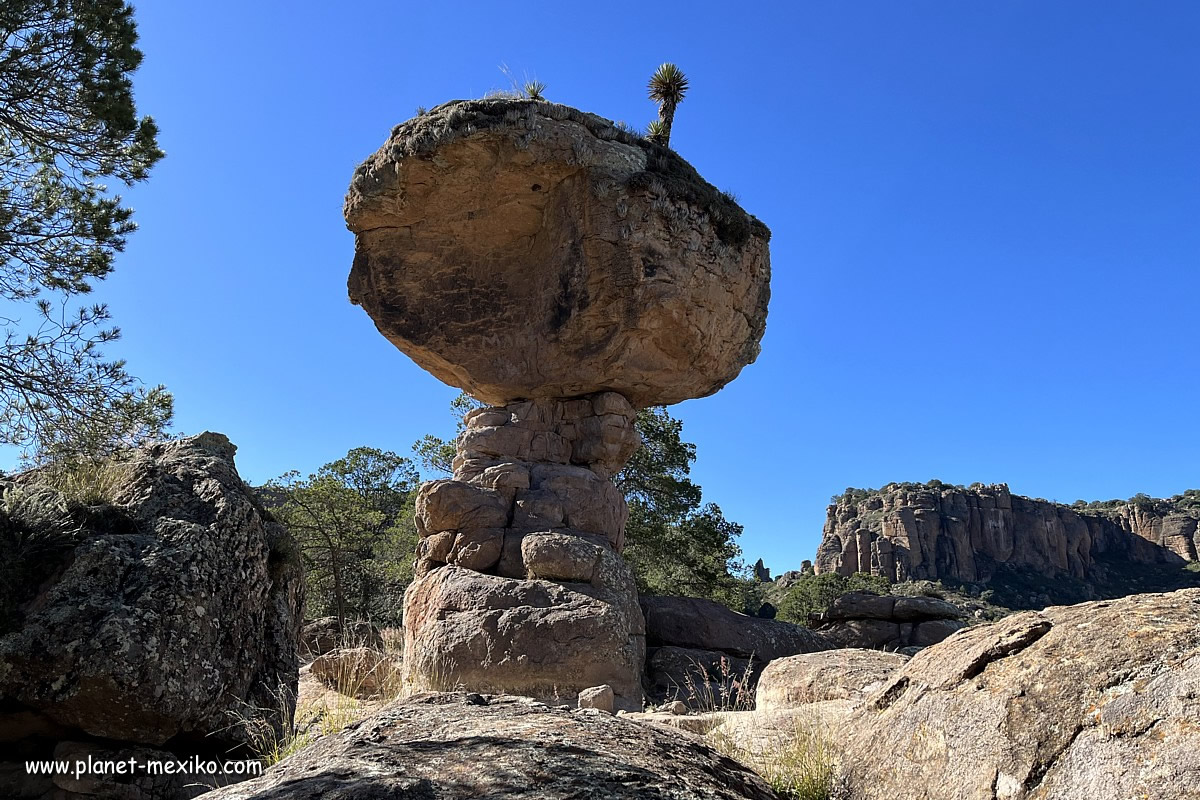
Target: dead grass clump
(799,763)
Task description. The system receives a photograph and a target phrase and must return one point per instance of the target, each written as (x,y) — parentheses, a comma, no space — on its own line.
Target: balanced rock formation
(569,273)
(913,531)
(521,249)
(1099,700)
(702,646)
(865,620)
(458,746)
(154,620)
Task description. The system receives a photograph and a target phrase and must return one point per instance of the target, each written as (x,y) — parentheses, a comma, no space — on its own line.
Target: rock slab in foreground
(521,249)
(1099,700)
(451,746)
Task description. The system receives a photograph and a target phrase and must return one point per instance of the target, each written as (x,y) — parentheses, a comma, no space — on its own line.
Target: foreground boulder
(451,746)
(843,674)
(884,622)
(698,647)
(155,619)
(522,249)
(1099,700)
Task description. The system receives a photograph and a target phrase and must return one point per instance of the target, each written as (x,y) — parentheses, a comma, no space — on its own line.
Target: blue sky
(986,225)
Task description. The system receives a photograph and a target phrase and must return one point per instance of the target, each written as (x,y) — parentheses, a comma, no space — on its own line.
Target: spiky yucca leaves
(534,90)
(656,132)
(667,87)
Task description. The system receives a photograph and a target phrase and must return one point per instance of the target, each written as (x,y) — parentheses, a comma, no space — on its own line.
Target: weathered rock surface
(468,746)
(1099,700)
(159,616)
(843,674)
(521,249)
(704,625)
(537,638)
(520,585)
(910,531)
(694,641)
(886,622)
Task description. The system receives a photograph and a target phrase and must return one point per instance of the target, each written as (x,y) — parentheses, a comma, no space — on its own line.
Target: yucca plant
(667,87)
(656,132)
(534,90)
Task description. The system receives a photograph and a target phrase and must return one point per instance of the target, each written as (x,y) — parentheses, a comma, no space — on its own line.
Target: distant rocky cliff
(977,534)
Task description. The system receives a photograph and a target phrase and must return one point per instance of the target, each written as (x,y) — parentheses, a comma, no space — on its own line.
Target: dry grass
(360,684)
(85,482)
(722,689)
(798,764)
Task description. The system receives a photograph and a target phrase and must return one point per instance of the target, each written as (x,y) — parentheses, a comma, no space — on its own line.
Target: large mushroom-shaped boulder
(522,249)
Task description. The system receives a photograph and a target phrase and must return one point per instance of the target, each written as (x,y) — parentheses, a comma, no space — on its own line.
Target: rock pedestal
(568,272)
(519,586)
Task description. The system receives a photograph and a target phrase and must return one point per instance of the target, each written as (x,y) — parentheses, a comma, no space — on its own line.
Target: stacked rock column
(531,500)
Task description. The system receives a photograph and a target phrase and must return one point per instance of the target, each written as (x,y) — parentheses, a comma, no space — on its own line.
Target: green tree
(814,594)
(667,87)
(353,520)
(674,543)
(67,122)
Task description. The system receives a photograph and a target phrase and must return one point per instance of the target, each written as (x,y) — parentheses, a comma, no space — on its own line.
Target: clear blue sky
(986,227)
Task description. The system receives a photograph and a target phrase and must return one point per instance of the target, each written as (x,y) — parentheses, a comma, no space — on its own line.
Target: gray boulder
(158,618)
(884,622)
(710,656)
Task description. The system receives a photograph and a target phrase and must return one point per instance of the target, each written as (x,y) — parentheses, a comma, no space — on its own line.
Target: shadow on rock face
(468,745)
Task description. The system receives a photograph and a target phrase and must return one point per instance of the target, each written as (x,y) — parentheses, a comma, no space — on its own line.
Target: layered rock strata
(905,533)
(523,541)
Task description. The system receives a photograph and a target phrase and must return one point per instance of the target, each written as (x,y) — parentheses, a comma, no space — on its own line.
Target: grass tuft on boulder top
(423,134)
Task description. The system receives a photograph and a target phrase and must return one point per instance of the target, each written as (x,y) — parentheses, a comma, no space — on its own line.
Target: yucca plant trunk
(666,115)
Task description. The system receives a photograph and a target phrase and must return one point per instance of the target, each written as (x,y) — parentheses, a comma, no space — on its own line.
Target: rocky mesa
(982,533)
